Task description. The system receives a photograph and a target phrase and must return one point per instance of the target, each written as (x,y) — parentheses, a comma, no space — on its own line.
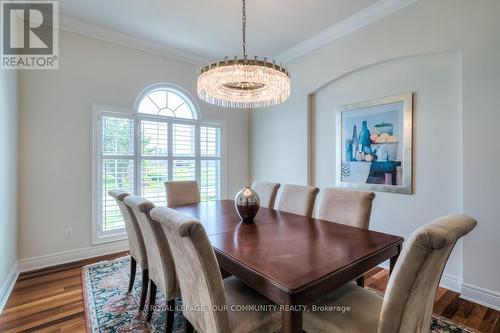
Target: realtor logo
(29,34)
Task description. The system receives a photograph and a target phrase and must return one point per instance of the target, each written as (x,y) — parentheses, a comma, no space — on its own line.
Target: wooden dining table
(291,259)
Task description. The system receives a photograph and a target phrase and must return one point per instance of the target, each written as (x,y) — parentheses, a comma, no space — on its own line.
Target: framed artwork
(374,145)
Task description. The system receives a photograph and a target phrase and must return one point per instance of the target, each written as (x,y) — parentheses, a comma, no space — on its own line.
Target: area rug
(109,308)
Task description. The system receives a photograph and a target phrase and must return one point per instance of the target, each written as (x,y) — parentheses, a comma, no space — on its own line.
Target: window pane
(183,138)
(183,170)
(163,102)
(147,106)
(154,173)
(210,180)
(115,174)
(159,98)
(210,141)
(184,111)
(174,101)
(154,138)
(166,112)
(117,136)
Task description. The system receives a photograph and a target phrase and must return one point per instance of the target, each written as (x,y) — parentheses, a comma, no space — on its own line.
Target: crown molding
(97,32)
(343,28)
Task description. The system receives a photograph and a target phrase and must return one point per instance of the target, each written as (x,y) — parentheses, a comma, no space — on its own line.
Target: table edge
(308,285)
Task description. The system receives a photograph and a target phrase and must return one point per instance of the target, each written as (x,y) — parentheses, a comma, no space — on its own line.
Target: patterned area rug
(109,308)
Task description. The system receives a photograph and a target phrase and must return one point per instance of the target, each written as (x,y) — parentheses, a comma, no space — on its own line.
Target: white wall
(435,82)
(472,28)
(8,178)
(55,177)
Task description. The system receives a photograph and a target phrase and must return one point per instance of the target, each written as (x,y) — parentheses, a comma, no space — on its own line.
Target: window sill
(109,238)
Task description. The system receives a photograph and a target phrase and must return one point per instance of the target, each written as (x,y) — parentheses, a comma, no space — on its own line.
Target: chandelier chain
(244,30)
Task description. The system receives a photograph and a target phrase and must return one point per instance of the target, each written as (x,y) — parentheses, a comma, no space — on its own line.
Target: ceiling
(212,29)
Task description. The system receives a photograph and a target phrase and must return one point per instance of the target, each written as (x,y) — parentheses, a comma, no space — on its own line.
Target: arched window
(165,100)
(162,139)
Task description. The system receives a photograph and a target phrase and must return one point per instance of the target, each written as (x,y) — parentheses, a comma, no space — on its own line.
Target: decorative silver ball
(247,203)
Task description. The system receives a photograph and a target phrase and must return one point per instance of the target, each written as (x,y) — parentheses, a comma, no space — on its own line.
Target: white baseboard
(480,295)
(448,281)
(33,263)
(467,291)
(451,282)
(8,286)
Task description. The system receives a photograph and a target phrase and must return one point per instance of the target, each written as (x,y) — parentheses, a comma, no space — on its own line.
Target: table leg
(291,322)
(393,260)
(361,281)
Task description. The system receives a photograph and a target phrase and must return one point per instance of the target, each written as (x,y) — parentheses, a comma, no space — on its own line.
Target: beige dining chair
(161,264)
(409,297)
(352,208)
(184,192)
(297,199)
(202,286)
(137,248)
(267,192)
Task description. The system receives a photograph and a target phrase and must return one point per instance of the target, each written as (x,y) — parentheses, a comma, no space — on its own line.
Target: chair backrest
(137,247)
(297,199)
(183,192)
(353,208)
(267,192)
(197,269)
(161,265)
(409,298)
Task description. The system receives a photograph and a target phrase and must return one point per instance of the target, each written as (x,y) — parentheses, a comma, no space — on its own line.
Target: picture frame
(375,145)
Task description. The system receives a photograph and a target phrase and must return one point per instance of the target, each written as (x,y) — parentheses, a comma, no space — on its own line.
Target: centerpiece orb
(247,203)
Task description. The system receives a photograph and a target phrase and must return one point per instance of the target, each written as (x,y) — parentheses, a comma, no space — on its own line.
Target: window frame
(100,236)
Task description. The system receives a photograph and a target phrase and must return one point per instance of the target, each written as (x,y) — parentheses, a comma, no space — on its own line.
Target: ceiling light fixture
(242,82)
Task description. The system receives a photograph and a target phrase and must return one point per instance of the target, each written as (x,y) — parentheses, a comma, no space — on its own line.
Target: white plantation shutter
(138,153)
(184,152)
(210,180)
(184,140)
(154,160)
(210,162)
(116,168)
(154,138)
(154,174)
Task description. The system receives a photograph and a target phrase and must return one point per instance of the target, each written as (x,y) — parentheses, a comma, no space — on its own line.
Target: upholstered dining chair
(137,248)
(161,264)
(353,208)
(202,285)
(184,192)
(409,297)
(267,192)
(297,199)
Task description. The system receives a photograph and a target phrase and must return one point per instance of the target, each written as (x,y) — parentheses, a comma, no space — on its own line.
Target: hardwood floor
(51,300)
(48,300)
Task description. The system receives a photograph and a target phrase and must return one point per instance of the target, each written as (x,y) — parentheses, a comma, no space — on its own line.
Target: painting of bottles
(374,145)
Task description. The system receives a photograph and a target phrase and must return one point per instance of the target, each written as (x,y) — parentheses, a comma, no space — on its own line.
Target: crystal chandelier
(244,82)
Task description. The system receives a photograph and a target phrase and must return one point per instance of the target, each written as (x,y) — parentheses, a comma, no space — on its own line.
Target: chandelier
(244,82)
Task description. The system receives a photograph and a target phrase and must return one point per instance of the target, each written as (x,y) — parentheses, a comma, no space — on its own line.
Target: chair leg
(169,315)
(144,290)
(152,300)
(361,281)
(133,268)
(188,328)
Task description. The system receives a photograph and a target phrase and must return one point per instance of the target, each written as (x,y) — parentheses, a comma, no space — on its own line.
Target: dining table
(291,259)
